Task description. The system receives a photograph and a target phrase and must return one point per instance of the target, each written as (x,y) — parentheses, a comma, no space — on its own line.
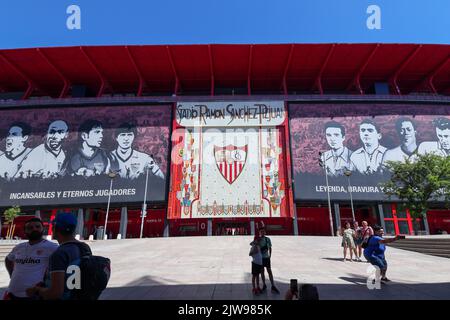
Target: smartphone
(401,237)
(294,286)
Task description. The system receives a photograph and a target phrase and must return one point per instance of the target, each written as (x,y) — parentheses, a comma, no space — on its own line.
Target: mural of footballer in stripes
(128,162)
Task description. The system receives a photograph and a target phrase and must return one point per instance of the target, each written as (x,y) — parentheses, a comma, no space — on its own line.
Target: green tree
(419,182)
(10,214)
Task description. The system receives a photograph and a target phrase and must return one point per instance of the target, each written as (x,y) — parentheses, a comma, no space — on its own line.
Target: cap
(65,221)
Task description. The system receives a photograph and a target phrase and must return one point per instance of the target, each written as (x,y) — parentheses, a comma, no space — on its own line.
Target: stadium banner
(227,160)
(354,142)
(66,155)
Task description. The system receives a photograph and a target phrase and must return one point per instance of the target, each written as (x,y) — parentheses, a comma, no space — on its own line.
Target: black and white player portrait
(406,130)
(128,162)
(15,150)
(47,160)
(368,158)
(442,145)
(89,159)
(337,159)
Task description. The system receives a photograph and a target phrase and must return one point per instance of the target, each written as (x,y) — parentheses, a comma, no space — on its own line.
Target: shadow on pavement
(356,289)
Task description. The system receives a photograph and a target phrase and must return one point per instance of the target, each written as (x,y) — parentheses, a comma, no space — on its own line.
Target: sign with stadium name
(234,114)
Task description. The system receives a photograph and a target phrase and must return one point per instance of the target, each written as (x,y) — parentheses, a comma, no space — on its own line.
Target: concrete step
(427,250)
(435,247)
(420,245)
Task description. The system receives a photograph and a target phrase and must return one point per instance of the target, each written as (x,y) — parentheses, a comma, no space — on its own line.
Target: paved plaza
(219,268)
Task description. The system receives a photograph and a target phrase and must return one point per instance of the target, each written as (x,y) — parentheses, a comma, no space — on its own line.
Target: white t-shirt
(10,166)
(41,161)
(257,256)
(133,166)
(30,265)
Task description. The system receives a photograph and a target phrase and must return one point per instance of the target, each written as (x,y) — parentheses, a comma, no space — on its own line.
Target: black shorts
(266,263)
(256,269)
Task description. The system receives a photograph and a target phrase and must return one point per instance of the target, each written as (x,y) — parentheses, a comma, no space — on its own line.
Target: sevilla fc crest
(230,161)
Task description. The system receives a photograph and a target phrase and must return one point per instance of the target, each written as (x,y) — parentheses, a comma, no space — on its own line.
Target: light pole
(322,164)
(144,204)
(348,173)
(111,175)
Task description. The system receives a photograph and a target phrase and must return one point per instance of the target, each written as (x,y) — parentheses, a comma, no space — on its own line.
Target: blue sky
(40,23)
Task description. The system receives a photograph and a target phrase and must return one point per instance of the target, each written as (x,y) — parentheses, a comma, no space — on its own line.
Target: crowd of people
(369,242)
(354,238)
(43,270)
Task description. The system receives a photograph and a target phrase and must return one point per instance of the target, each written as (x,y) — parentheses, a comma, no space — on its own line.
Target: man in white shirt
(337,160)
(130,163)
(47,159)
(442,146)
(406,131)
(367,159)
(28,261)
(15,150)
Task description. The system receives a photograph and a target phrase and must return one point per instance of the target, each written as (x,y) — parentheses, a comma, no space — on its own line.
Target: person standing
(374,253)
(366,232)
(266,250)
(28,261)
(348,241)
(257,264)
(358,240)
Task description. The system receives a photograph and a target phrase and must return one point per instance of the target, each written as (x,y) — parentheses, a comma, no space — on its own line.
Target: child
(257,264)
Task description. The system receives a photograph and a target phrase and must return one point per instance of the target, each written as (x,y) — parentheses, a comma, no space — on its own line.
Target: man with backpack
(73,272)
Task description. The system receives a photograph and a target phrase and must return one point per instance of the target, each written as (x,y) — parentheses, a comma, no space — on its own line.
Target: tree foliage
(419,182)
(11,213)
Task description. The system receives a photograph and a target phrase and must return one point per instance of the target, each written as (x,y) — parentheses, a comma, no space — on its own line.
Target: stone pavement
(219,268)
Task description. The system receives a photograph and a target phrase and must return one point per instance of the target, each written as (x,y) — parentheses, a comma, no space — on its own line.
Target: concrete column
(252,227)
(123,222)
(295,221)
(80,222)
(425,223)
(209,228)
(337,217)
(37,214)
(166,227)
(381,212)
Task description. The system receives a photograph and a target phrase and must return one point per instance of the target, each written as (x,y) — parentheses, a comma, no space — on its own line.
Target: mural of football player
(367,159)
(337,160)
(15,150)
(47,159)
(129,162)
(406,130)
(89,159)
(442,146)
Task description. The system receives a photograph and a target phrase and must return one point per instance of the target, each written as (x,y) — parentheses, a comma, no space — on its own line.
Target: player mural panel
(359,140)
(228,161)
(63,156)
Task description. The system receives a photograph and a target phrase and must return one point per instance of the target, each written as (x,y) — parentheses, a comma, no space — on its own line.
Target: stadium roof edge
(216,69)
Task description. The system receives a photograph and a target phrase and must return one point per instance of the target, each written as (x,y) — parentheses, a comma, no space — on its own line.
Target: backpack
(365,243)
(95,274)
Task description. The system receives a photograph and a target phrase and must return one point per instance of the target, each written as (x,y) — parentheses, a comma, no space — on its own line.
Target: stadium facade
(219,139)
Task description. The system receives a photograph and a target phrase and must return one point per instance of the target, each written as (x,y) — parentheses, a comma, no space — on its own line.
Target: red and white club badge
(230,161)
